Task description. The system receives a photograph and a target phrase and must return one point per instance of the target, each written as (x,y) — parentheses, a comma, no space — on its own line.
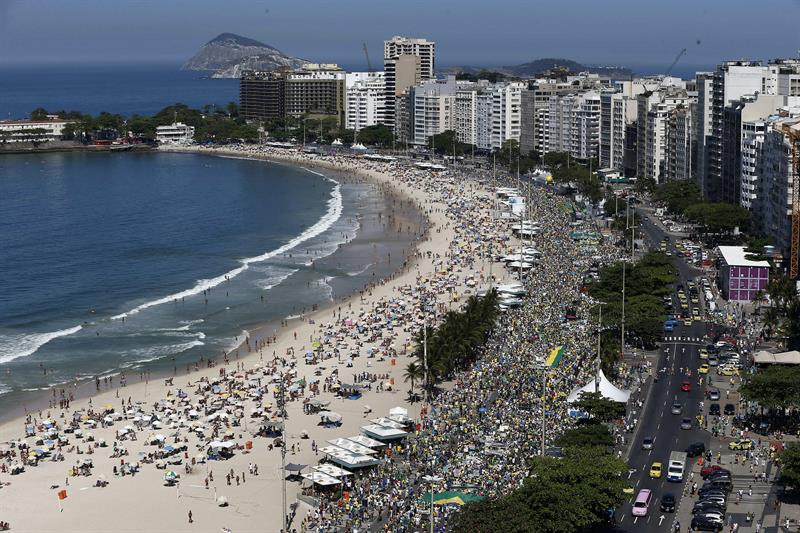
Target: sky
(467,32)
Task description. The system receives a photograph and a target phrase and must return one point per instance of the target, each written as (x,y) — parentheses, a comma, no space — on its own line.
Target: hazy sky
(467,32)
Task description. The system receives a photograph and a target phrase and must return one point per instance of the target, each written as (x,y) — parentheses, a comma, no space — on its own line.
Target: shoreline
(257,500)
(35,401)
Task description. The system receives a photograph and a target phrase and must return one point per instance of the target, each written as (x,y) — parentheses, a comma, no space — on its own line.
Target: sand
(142,502)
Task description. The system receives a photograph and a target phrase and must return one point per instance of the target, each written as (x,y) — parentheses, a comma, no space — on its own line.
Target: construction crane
(793,133)
(669,71)
(366,53)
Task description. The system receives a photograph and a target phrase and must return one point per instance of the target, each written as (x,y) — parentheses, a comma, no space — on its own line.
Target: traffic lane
(657,422)
(665,428)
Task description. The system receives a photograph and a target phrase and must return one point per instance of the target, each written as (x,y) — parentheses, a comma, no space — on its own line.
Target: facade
(365,97)
(176,133)
(656,110)
(14,131)
(261,95)
(618,112)
(679,144)
(574,124)
(775,190)
(505,113)
(704,82)
(433,109)
(406,62)
(316,89)
(741,279)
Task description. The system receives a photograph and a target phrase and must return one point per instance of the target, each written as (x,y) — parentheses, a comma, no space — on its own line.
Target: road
(657,421)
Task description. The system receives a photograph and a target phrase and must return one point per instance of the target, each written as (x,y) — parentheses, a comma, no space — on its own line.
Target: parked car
(696,449)
(730,409)
(710,469)
(714,409)
(743,444)
(713,394)
(703,523)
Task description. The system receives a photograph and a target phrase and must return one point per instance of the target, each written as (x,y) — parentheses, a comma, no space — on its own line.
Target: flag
(555,356)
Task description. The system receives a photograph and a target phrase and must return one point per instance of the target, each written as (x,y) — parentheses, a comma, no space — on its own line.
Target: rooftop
(735,256)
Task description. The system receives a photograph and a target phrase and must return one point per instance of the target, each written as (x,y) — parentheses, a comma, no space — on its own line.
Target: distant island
(228,54)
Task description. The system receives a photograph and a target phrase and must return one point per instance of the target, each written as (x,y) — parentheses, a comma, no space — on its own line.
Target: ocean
(126,89)
(125,261)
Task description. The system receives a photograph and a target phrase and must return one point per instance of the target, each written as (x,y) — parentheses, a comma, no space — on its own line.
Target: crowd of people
(477,430)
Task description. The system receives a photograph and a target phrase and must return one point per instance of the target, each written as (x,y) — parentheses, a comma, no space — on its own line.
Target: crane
(669,71)
(793,133)
(366,53)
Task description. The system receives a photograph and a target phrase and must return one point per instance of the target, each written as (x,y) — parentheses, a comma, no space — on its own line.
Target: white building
(505,113)
(50,129)
(434,106)
(176,133)
(574,124)
(655,114)
(365,99)
(776,185)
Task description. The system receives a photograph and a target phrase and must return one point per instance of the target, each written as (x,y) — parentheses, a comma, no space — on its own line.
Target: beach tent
(294,467)
(602,385)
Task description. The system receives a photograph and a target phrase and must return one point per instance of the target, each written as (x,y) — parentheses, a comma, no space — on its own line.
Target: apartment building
(406,62)
(655,110)
(775,204)
(574,124)
(365,97)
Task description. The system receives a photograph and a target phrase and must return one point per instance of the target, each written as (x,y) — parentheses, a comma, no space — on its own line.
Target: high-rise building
(364,99)
(703,128)
(574,124)
(534,113)
(261,95)
(406,62)
(654,112)
(318,90)
(776,176)
(505,113)
(434,109)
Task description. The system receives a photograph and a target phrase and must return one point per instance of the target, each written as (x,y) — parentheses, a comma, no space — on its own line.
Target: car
(627,490)
(743,444)
(642,503)
(710,469)
(686,423)
(647,443)
(703,353)
(715,486)
(727,370)
(713,360)
(713,394)
(676,408)
(730,409)
(686,386)
(696,449)
(714,409)
(684,305)
(702,523)
(667,503)
(699,507)
(655,470)
(716,498)
(704,368)
(713,514)
(687,322)
(695,299)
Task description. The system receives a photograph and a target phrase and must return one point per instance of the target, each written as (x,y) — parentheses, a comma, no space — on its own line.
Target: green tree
(677,195)
(586,435)
(599,408)
(561,496)
(233,109)
(39,113)
(378,135)
(790,466)
(413,373)
(777,387)
(446,142)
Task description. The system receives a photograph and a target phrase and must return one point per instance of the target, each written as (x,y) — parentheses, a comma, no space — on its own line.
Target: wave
(275,279)
(146,355)
(333,213)
(357,272)
(24,344)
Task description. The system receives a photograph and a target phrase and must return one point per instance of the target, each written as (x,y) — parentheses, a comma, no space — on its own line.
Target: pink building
(740,277)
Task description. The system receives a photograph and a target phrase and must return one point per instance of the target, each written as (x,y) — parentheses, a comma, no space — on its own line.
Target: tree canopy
(598,407)
(790,466)
(561,496)
(586,435)
(776,387)
(718,217)
(678,195)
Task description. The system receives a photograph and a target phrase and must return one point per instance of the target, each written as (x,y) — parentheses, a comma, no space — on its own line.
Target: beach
(206,454)
(30,502)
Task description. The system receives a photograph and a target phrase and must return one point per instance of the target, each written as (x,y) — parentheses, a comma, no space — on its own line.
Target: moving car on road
(642,503)
(647,443)
(668,503)
(686,386)
(655,470)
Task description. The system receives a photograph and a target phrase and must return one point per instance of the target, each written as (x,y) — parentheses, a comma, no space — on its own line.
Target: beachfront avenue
(363,454)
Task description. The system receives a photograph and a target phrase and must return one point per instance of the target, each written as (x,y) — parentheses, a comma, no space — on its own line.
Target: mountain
(543,66)
(228,54)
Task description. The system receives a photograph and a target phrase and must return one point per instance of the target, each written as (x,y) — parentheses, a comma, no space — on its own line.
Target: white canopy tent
(602,385)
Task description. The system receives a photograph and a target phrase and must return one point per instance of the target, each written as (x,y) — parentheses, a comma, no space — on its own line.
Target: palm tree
(413,373)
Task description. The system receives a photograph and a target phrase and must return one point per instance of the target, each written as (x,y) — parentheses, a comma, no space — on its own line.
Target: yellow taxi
(696,312)
(727,371)
(687,321)
(684,305)
(703,353)
(695,299)
(655,470)
(704,368)
(744,444)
